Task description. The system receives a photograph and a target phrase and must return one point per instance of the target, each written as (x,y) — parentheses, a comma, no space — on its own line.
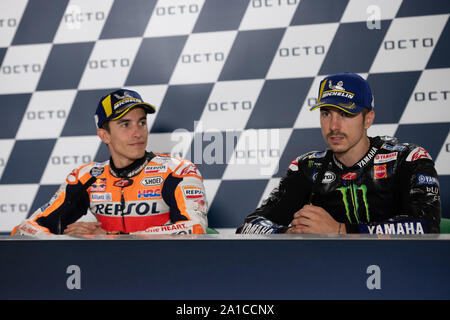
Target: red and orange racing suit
(156,194)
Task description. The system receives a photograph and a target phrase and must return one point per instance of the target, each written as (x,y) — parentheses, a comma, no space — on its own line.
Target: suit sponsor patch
(192,192)
(152,181)
(379,171)
(418,153)
(155,169)
(383,158)
(428,180)
(98,186)
(394,228)
(99,197)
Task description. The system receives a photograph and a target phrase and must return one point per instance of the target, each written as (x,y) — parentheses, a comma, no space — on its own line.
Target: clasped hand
(313,219)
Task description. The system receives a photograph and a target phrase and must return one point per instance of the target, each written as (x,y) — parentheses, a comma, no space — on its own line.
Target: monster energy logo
(353,194)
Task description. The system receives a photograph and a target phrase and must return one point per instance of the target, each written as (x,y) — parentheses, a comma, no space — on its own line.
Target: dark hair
(105,126)
(364,112)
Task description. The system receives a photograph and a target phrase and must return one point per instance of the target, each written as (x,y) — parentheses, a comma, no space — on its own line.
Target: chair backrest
(445,225)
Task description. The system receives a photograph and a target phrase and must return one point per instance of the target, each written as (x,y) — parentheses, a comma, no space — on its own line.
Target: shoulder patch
(418,153)
(187,169)
(72,177)
(294,165)
(393,147)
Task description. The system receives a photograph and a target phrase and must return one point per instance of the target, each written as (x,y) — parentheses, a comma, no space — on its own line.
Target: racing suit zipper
(122,201)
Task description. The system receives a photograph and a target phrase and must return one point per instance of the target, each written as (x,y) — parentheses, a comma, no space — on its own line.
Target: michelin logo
(397,228)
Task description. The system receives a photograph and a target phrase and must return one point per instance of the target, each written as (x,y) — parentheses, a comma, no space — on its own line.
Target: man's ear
(104,135)
(370,116)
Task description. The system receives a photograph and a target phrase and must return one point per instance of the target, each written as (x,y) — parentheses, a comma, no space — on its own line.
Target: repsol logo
(8,23)
(408,43)
(13,207)
(63,160)
(272,3)
(46,114)
(84,16)
(431,96)
(109,63)
(177,10)
(229,106)
(301,51)
(21,68)
(203,57)
(117,209)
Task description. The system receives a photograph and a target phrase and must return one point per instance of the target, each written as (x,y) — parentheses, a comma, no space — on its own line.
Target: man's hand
(84,228)
(313,219)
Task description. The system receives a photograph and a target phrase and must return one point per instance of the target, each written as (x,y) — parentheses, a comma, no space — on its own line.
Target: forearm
(181,227)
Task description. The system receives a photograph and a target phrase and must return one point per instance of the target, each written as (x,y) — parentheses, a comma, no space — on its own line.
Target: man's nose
(335,122)
(137,130)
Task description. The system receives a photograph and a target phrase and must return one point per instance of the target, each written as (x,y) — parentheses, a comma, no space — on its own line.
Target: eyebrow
(128,120)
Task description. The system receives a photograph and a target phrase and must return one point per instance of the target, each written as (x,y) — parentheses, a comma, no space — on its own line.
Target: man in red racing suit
(135,192)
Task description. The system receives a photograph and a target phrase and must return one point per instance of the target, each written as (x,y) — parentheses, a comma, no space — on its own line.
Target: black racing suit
(393,189)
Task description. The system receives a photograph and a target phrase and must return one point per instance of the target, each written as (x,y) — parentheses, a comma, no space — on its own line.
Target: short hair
(105,126)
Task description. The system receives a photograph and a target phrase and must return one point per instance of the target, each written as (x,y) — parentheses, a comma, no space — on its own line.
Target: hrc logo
(152,193)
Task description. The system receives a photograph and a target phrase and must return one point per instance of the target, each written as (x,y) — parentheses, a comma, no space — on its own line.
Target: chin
(137,155)
(337,148)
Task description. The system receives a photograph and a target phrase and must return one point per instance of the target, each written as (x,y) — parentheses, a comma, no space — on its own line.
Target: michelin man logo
(338,86)
(125,95)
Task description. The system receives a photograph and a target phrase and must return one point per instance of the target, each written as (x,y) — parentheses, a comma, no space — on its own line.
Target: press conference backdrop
(232,81)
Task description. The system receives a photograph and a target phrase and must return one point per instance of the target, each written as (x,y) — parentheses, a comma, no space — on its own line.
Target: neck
(132,168)
(355,153)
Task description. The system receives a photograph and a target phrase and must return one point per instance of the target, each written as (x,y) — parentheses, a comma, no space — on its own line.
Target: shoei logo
(152,181)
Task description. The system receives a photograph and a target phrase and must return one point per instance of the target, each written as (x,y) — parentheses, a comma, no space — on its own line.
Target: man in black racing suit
(360,184)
